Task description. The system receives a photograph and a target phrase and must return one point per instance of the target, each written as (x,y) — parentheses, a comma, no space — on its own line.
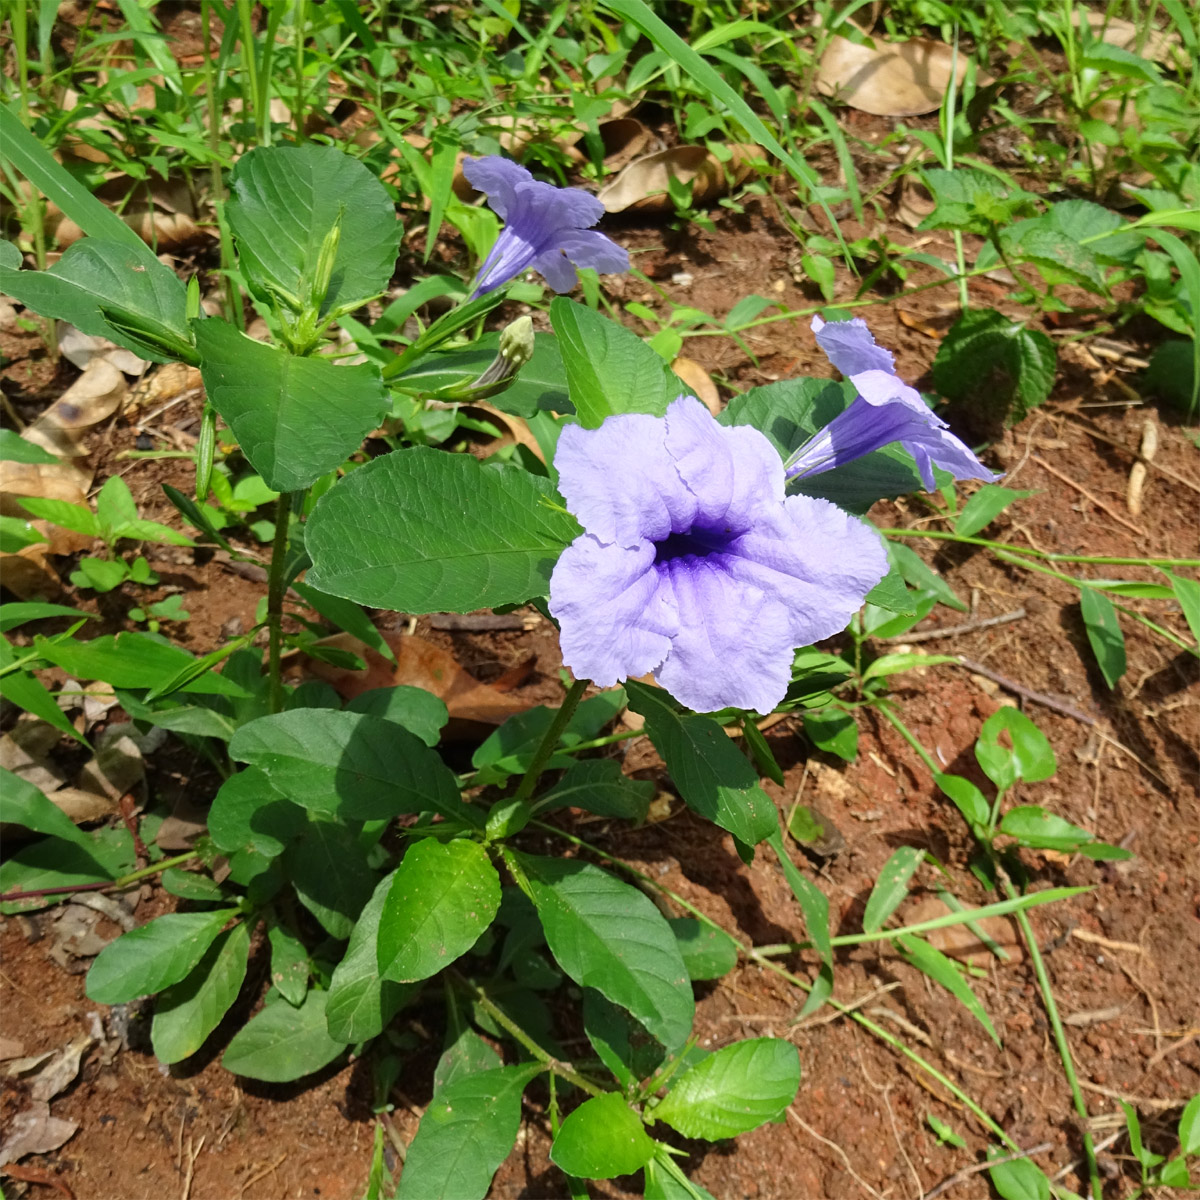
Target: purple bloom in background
(885,410)
(545,227)
(694,564)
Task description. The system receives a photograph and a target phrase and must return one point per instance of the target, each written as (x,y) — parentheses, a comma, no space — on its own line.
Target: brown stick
(966,1173)
(931,635)
(1019,689)
(1116,516)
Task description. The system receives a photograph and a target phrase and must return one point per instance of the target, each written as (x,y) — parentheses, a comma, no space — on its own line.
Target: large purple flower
(546,227)
(694,565)
(885,410)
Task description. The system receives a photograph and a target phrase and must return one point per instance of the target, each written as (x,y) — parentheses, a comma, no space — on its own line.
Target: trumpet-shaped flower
(885,410)
(694,564)
(546,228)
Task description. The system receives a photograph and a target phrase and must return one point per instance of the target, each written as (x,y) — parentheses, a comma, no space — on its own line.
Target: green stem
(276,587)
(607,740)
(562,718)
(751,953)
(1100,560)
(561,1069)
(104,886)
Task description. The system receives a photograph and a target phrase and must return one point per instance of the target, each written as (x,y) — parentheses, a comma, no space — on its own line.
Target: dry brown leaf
(26,751)
(11,1048)
(92,398)
(915,202)
(35,1131)
(474,707)
(624,139)
(518,431)
(642,186)
(81,348)
(117,767)
(890,79)
(700,381)
(160,211)
(169,381)
(51,1073)
(29,575)
(1160,45)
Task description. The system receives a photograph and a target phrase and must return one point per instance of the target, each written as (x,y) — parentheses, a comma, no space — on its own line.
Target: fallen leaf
(1159,45)
(117,767)
(35,1131)
(29,575)
(49,481)
(11,1048)
(518,431)
(54,1072)
(890,79)
(26,750)
(642,186)
(471,704)
(624,138)
(38,1175)
(700,381)
(92,398)
(915,203)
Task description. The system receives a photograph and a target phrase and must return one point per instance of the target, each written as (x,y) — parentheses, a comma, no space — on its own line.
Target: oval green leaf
(601,1139)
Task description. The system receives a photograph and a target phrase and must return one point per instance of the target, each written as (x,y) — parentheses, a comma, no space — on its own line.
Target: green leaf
(944,1133)
(392,534)
(188,1011)
(609,368)
(1033,826)
(1031,758)
(891,886)
(102,574)
(708,953)
(109,290)
(51,863)
(419,711)
(713,776)
(248,813)
(608,935)
(991,359)
(914,570)
(984,507)
(16,533)
(972,200)
(894,664)
(466,1053)
(14,448)
(294,418)
(283,1043)
(1189,1127)
(833,731)
(623,1045)
(23,804)
(665,1181)
(890,593)
(285,201)
(943,970)
(733,1091)
(601,1139)
(153,956)
(1019,1179)
(360,1003)
(350,765)
(814,904)
(76,517)
(19,612)
(290,966)
(443,896)
(331,875)
(1055,252)
(1103,633)
(1116,60)
(466,1133)
(191,885)
(969,800)
(598,785)
(345,614)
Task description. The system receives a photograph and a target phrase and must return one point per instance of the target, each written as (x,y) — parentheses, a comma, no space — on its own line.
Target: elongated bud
(206,446)
(515,350)
(323,274)
(147,337)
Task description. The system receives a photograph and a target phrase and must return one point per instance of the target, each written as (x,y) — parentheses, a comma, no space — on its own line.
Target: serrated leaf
(943,970)
(891,886)
(294,418)
(360,1004)
(971,200)
(608,935)
(990,358)
(466,1133)
(286,199)
(713,776)
(609,369)
(153,956)
(601,1139)
(392,534)
(1104,635)
(349,765)
(443,896)
(984,507)
(733,1091)
(283,1043)
(188,1011)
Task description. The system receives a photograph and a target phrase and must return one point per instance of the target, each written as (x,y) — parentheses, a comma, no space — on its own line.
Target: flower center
(694,543)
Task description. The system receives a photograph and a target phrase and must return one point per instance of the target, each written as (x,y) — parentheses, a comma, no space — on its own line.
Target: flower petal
(733,471)
(817,560)
(509,256)
(620,482)
(616,619)
(733,648)
(850,346)
(498,178)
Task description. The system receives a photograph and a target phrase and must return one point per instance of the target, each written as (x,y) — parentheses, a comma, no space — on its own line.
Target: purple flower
(546,227)
(885,410)
(694,565)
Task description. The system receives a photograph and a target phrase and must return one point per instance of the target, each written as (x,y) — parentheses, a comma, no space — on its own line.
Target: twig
(476,622)
(192,1155)
(1159,1055)
(1019,689)
(116,884)
(1146,1102)
(1155,466)
(269,1169)
(834,1146)
(966,1173)
(1116,516)
(1096,940)
(931,635)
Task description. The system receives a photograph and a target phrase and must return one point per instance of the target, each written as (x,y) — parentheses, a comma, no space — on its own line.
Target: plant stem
(276,587)
(122,882)
(1099,559)
(562,717)
(563,1070)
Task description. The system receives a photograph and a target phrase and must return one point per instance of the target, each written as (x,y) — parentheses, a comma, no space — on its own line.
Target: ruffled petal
(498,178)
(509,256)
(733,471)
(616,618)
(568,208)
(557,269)
(815,559)
(850,346)
(620,482)
(591,248)
(882,387)
(733,648)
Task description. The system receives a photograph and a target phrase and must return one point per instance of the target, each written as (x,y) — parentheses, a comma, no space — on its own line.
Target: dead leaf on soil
(118,766)
(92,398)
(518,431)
(11,1048)
(642,186)
(29,575)
(700,381)
(624,138)
(958,941)
(81,349)
(890,79)
(51,481)
(53,1072)
(35,1131)
(915,203)
(420,664)
(1162,46)
(75,937)
(25,751)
